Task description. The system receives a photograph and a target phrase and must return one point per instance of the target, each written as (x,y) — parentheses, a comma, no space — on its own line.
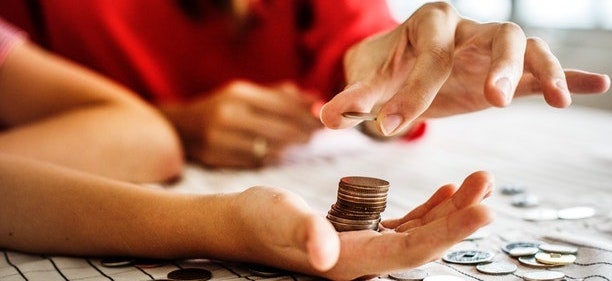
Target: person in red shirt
(56,201)
(238,79)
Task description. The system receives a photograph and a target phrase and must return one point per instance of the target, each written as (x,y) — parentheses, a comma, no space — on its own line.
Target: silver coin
(443,278)
(531,261)
(266,271)
(523,251)
(410,275)
(360,115)
(496,268)
(468,256)
(575,213)
(199,274)
(560,249)
(543,275)
(116,261)
(525,200)
(520,244)
(555,258)
(512,189)
(541,215)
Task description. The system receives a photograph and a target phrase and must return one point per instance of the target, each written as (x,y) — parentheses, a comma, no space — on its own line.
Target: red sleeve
(336,27)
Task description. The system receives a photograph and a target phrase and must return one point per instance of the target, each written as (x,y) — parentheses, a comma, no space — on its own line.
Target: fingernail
(562,85)
(504,85)
(391,123)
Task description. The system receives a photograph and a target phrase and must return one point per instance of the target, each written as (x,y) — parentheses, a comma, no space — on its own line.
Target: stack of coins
(360,202)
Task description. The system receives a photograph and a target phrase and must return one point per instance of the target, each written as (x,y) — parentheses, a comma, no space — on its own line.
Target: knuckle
(537,43)
(438,7)
(510,27)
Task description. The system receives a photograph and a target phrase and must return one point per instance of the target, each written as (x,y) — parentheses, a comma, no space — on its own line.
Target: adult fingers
(578,82)
(507,56)
(442,194)
(284,100)
(431,31)
(474,189)
(545,67)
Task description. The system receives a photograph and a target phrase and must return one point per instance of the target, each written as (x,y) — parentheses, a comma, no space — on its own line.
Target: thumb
(357,97)
(321,242)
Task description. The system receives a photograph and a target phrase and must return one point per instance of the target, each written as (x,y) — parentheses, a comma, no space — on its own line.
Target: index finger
(431,31)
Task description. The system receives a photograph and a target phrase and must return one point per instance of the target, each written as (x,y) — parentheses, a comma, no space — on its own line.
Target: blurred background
(579,32)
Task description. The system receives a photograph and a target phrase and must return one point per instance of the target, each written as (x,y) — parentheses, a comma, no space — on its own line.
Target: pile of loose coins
(360,202)
(529,253)
(535,254)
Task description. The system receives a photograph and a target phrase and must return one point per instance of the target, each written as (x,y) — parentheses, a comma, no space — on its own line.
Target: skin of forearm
(74,117)
(108,140)
(51,209)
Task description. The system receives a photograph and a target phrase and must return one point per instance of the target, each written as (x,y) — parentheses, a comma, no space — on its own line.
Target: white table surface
(562,156)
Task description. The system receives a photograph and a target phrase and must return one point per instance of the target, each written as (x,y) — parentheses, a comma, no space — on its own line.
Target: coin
(512,189)
(199,274)
(531,261)
(560,249)
(555,258)
(468,256)
(443,278)
(116,261)
(525,200)
(410,275)
(360,115)
(541,215)
(544,275)
(575,213)
(496,268)
(265,271)
(520,244)
(523,251)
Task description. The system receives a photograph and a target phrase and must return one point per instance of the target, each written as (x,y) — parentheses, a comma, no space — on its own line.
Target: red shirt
(156,49)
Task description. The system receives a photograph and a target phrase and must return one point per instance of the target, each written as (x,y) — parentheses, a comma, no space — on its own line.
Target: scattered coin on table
(555,258)
(468,256)
(531,261)
(265,271)
(541,214)
(576,213)
(525,200)
(199,274)
(512,189)
(496,268)
(522,246)
(117,261)
(544,275)
(556,248)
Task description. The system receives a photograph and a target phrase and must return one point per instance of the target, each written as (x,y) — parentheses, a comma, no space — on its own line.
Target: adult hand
(437,64)
(298,239)
(244,125)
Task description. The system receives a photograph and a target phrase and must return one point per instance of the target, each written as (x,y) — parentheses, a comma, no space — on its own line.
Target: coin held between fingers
(260,147)
(365,116)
